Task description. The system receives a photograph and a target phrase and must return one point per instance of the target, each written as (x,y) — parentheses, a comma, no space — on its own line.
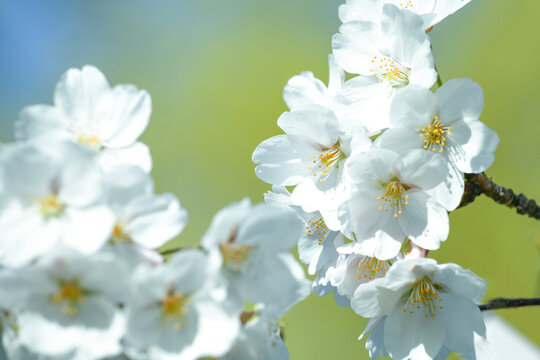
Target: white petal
(316,123)
(371,299)
(459,99)
(356,45)
(436,230)
(137,154)
(304,89)
(270,229)
(399,140)
(42,121)
(78,92)
(156,220)
(460,282)
(476,153)
(283,160)
(123,115)
(413,107)
(413,335)
(449,192)
(422,169)
(463,318)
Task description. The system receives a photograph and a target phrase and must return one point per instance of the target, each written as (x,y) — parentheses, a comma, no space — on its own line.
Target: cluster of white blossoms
(81,274)
(376,163)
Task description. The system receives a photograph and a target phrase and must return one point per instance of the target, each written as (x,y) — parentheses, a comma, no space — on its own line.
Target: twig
(479,183)
(500,303)
(174,250)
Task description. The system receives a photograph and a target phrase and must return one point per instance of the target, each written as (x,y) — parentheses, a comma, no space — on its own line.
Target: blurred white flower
(250,245)
(65,301)
(171,313)
(142,218)
(89,112)
(53,195)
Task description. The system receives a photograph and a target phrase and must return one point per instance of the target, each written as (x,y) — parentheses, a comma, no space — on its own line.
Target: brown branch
(500,303)
(477,184)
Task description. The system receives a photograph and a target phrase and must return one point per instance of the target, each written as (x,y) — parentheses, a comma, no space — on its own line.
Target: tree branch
(477,184)
(501,303)
(174,250)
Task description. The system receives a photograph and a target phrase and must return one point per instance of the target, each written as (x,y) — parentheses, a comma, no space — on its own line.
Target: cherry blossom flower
(431,11)
(89,112)
(171,313)
(389,201)
(250,247)
(54,195)
(420,310)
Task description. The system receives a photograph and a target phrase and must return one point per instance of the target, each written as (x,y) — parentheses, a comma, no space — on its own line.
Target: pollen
(395,197)
(234,255)
(425,298)
(50,206)
(327,160)
(371,268)
(174,307)
(435,135)
(119,234)
(390,71)
(406,5)
(70,295)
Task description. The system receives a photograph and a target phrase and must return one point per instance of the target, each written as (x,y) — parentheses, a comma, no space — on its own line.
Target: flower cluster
(376,163)
(81,275)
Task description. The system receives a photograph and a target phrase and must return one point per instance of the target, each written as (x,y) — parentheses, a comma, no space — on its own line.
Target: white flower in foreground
(421,309)
(171,313)
(446,123)
(142,218)
(72,296)
(53,195)
(88,111)
(311,155)
(431,11)
(250,245)
(396,50)
(389,201)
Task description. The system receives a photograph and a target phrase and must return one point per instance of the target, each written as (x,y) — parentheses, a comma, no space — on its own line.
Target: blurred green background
(215,70)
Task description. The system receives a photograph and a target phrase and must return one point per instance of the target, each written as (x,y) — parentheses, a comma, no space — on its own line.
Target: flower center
(119,234)
(50,206)
(317,228)
(91,141)
(71,295)
(424,297)
(327,160)
(234,255)
(174,306)
(435,135)
(395,197)
(371,268)
(388,70)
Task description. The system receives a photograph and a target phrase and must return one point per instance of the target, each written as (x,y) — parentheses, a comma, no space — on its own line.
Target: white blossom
(250,246)
(171,313)
(431,11)
(89,112)
(421,309)
(53,196)
(389,201)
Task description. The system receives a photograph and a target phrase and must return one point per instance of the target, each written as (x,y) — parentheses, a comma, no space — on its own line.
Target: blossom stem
(501,303)
(480,184)
(175,250)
